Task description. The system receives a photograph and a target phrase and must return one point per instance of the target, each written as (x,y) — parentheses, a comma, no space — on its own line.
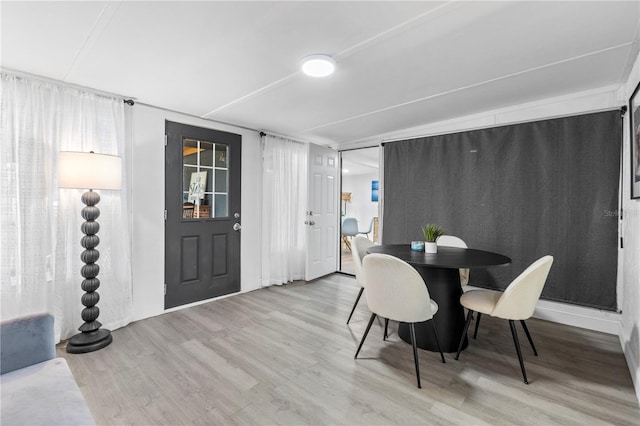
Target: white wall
(147,194)
(361,207)
(630,273)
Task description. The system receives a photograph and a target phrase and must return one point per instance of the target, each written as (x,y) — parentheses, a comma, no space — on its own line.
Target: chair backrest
(366,231)
(350,227)
(359,247)
(519,299)
(395,290)
(452,241)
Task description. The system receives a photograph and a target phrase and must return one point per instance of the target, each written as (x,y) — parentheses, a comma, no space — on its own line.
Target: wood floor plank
(284,355)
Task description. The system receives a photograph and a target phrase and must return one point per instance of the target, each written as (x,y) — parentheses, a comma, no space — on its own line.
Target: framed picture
(374,190)
(634,119)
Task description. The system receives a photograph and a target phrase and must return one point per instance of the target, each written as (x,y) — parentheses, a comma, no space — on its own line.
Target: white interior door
(322,213)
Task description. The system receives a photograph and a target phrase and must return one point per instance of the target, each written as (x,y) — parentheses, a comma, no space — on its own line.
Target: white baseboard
(199,302)
(592,319)
(579,316)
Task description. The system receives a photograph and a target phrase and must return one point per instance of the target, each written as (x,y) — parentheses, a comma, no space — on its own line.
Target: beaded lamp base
(91,337)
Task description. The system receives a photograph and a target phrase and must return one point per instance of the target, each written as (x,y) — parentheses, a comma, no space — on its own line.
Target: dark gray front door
(202,201)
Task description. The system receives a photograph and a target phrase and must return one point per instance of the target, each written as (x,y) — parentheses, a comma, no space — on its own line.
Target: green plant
(432,232)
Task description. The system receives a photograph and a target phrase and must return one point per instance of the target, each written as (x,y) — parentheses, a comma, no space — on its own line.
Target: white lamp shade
(86,170)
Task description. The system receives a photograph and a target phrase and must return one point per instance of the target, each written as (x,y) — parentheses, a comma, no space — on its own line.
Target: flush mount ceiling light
(318,65)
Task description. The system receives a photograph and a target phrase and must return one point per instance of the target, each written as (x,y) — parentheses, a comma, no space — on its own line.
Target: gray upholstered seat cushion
(43,394)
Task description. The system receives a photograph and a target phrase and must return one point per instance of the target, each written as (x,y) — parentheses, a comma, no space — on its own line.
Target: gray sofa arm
(25,341)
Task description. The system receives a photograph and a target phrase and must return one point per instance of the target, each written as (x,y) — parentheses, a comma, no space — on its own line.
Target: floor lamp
(91,171)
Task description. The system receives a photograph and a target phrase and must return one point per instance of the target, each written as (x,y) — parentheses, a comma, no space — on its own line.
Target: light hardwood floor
(284,355)
(346,260)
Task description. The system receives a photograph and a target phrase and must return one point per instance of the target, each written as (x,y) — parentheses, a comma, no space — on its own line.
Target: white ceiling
(360,161)
(400,64)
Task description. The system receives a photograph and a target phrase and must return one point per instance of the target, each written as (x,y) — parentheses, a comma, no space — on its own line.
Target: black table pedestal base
(441,273)
(444,288)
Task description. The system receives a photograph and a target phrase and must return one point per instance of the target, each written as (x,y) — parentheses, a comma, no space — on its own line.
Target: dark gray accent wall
(525,190)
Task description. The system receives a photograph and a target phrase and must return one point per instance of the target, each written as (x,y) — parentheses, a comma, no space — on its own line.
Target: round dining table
(441,275)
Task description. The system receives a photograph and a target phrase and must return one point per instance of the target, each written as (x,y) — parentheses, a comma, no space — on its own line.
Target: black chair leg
(475,333)
(435,333)
(464,332)
(373,317)
(386,328)
(415,353)
(514,333)
(526,331)
(355,304)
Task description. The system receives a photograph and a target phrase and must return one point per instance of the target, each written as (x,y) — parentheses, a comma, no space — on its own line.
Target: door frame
(220,283)
(380,147)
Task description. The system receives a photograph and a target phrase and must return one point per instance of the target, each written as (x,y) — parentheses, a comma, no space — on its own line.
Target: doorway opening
(359,200)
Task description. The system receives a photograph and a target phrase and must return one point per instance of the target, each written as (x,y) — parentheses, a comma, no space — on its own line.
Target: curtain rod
(275,135)
(173,111)
(622,109)
(26,75)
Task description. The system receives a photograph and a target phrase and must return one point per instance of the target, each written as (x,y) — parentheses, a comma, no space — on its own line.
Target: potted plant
(431,233)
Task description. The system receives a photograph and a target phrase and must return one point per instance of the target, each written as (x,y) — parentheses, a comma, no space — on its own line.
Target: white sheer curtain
(284,200)
(40,242)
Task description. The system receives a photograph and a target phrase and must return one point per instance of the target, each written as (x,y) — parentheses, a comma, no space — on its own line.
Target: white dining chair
(516,303)
(395,290)
(453,241)
(359,247)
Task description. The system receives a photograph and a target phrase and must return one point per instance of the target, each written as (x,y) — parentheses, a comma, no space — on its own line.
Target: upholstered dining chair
(395,290)
(359,246)
(453,241)
(516,303)
(349,229)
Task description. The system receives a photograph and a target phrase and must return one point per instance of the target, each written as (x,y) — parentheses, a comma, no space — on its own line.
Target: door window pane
(221,205)
(204,179)
(222,155)
(222,182)
(190,152)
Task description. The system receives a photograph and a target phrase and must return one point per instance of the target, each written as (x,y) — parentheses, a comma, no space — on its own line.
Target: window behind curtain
(525,190)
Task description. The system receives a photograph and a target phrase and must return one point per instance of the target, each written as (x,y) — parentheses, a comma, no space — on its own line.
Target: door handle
(312,223)
(237,227)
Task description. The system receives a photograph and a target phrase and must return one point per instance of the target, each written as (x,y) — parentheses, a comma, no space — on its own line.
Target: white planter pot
(430,247)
